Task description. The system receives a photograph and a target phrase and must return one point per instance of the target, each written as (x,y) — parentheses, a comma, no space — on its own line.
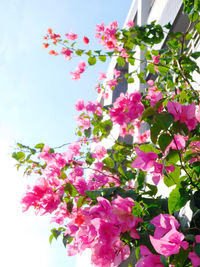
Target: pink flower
(83,122)
(148,259)
(41,197)
(66,52)
(198,115)
(183,113)
(100,152)
(167,240)
(150,82)
(144,161)
(79,70)
(80,106)
(112,83)
(71,36)
(130,24)
(126,109)
(116,73)
(156,59)
(193,256)
(86,40)
(102,76)
(75,147)
(179,143)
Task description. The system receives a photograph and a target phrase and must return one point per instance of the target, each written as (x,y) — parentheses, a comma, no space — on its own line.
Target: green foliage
(177,199)
(92,60)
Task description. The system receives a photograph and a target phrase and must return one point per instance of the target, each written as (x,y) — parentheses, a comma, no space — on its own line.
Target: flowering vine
(106,198)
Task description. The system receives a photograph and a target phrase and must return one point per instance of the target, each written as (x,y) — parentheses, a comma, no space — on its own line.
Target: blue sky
(36,104)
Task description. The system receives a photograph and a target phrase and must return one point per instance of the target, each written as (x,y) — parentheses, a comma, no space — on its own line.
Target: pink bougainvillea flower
(49,31)
(144,161)
(100,152)
(178,143)
(53,52)
(116,73)
(148,259)
(167,240)
(71,36)
(126,109)
(86,40)
(79,70)
(130,24)
(183,113)
(198,115)
(112,83)
(45,45)
(154,97)
(102,76)
(66,52)
(150,82)
(41,197)
(80,106)
(83,122)
(193,256)
(156,59)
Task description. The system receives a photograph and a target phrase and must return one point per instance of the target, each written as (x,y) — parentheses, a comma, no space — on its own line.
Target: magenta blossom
(148,259)
(183,113)
(167,240)
(144,161)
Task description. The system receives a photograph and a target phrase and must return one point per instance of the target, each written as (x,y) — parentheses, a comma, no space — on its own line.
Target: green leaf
(173,177)
(121,61)
(196,7)
(130,80)
(92,60)
(98,52)
(137,210)
(148,55)
(102,58)
(40,146)
(195,55)
(81,201)
(70,188)
(105,192)
(164,140)
(149,148)
(177,199)
(197,26)
(109,162)
(154,131)
(163,70)
(153,189)
(87,132)
(79,52)
(172,156)
(147,113)
(151,68)
(126,193)
(131,61)
(18,156)
(164,120)
(69,206)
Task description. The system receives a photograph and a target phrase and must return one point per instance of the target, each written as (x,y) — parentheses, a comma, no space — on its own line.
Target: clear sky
(36,105)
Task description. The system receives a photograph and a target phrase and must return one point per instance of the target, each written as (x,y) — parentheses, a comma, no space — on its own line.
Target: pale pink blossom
(100,152)
(71,36)
(130,24)
(102,76)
